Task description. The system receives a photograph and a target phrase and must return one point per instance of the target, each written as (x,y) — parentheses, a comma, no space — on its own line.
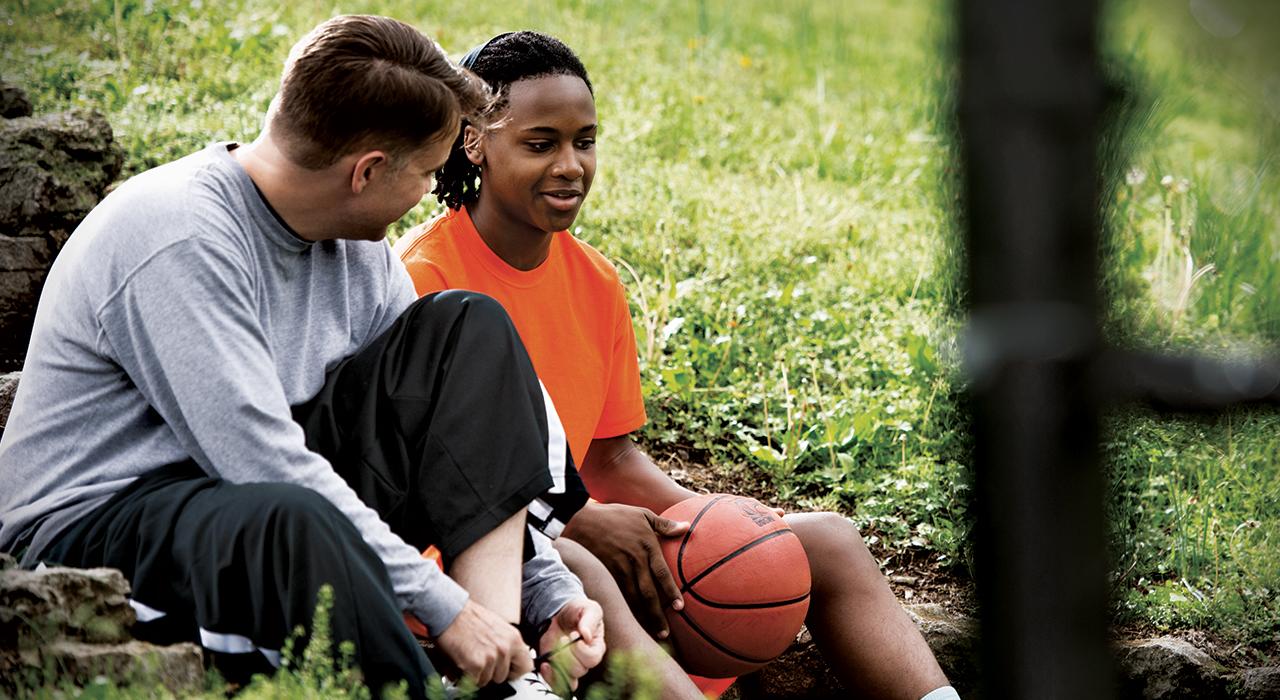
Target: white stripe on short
(235,644)
(145,613)
(557,443)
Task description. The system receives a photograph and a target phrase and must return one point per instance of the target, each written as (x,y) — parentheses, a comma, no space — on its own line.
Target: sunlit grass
(776,187)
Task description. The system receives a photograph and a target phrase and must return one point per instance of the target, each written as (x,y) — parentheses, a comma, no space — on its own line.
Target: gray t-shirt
(182,320)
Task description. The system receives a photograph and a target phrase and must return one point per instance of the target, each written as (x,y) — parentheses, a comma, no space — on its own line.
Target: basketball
(744,578)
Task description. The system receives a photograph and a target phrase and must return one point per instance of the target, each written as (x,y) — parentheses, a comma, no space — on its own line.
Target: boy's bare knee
(826,534)
(582,563)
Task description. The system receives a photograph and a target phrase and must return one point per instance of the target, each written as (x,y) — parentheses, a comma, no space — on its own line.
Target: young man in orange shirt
(507,237)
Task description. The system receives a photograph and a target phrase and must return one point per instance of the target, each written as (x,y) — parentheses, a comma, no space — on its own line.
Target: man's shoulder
(164,202)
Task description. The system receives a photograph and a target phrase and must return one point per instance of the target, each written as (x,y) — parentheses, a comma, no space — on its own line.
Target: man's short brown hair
(362,81)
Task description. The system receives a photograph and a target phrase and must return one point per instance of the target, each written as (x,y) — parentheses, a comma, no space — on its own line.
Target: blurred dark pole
(1030,102)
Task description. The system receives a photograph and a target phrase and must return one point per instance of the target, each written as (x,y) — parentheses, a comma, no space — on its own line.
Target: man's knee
(477,308)
(298,514)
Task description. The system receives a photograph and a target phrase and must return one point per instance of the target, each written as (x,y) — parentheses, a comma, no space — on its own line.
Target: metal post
(1030,102)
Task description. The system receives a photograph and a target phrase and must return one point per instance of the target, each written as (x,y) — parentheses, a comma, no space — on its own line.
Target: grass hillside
(778,191)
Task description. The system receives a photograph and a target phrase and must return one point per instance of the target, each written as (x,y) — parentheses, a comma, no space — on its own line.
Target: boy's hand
(625,539)
(581,619)
(484,646)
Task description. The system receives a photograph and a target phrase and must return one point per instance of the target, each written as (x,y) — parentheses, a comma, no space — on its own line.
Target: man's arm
(185,330)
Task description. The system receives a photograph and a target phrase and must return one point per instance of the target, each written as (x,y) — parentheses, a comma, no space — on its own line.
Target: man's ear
(473,144)
(368,166)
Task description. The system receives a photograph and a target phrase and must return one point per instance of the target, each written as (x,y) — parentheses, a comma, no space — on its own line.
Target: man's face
(540,160)
(396,187)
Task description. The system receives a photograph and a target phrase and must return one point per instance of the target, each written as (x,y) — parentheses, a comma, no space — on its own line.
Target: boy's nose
(568,166)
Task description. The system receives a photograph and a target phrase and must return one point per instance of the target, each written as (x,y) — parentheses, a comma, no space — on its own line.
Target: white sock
(946,692)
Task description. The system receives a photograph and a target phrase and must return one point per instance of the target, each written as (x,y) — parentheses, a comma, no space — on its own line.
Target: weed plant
(777,191)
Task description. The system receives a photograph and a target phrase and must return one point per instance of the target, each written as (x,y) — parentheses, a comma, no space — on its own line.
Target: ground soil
(916,577)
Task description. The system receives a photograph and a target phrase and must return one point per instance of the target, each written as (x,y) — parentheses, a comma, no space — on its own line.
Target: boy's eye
(539,146)
(584,144)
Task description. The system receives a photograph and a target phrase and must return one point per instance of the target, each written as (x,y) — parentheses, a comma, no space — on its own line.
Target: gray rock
(1259,684)
(1166,668)
(8,388)
(178,667)
(37,607)
(13,101)
(954,640)
(53,170)
(19,295)
(25,253)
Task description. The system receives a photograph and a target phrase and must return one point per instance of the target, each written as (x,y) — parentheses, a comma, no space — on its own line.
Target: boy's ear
(473,144)
(367,166)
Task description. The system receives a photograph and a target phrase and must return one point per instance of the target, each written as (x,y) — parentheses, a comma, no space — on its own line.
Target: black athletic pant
(439,425)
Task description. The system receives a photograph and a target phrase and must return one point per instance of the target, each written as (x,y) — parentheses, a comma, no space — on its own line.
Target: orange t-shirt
(571,312)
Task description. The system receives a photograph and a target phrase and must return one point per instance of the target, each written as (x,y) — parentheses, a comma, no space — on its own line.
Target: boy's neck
(519,245)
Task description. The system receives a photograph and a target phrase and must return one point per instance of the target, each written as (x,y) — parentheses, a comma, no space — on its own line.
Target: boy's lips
(563,200)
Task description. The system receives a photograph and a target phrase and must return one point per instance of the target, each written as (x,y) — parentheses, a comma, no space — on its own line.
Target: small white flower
(1135,177)
(672,327)
(1183,186)
(1166,181)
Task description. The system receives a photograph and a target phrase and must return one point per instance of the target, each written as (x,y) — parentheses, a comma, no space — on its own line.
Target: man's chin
(372,234)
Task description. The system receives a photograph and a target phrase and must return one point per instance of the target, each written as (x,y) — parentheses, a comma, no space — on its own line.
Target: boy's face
(539,160)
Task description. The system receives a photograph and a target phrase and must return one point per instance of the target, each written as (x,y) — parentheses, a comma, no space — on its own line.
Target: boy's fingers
(668,528)
(666,582)
(650,605)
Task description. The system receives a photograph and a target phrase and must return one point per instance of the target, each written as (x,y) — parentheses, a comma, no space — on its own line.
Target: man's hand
(625,539)
(484,646)
(581,619)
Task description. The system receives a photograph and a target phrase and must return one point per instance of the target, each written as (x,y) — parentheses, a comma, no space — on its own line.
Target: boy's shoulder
(583,258)
(434,234)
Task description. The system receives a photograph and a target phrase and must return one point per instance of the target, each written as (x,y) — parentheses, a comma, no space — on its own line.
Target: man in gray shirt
(232,396)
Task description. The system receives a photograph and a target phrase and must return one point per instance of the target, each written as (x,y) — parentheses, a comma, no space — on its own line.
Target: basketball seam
(715,643)
(685,540)
(747,606)
(723,560)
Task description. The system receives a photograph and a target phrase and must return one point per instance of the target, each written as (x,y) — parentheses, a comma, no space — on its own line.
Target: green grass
(776,186)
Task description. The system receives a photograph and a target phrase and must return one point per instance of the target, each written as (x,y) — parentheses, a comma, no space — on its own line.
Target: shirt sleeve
(548,584)
(426,275)
(400,295)
(623,409)
(186,330)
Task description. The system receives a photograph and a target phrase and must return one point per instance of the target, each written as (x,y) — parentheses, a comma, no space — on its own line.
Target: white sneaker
(530,686)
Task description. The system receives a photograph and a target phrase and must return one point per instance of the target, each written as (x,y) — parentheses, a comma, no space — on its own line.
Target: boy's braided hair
(501,61)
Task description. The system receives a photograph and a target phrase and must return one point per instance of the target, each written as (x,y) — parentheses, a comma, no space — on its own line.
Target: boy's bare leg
(866,636)
(621,630)
(490,569)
